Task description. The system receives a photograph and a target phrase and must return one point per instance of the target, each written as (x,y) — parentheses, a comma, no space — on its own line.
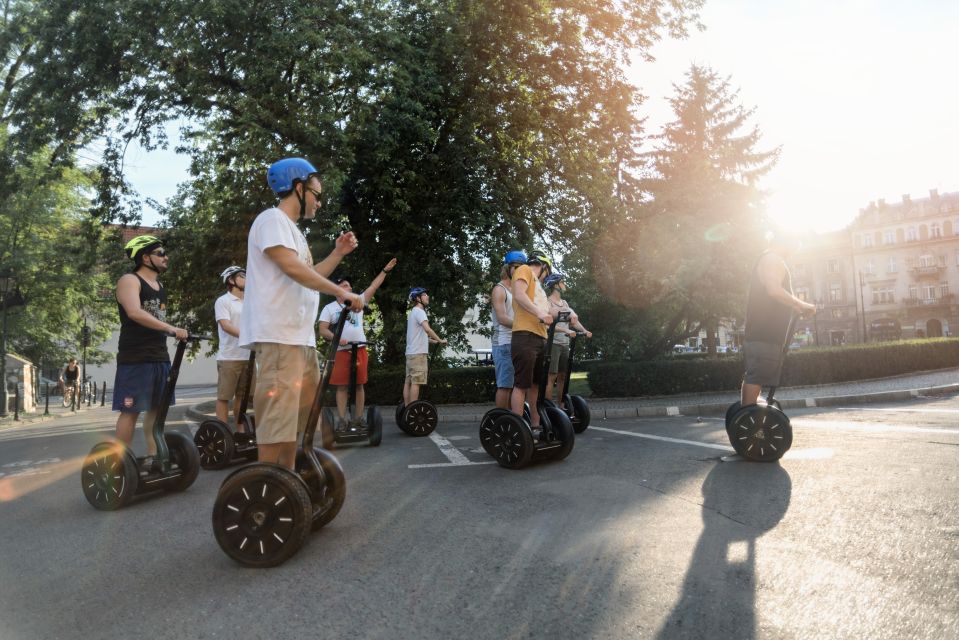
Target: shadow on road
(741,501)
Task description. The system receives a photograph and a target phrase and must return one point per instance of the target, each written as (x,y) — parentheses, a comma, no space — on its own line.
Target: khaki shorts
(558,358)
(231,376)
(287,378)
(417,368)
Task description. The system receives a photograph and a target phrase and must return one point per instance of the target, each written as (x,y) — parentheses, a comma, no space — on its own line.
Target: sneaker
(147,465)
(360,424)
(341,424)
(537,433)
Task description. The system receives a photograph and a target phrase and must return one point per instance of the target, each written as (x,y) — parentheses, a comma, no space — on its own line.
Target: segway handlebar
(191,337)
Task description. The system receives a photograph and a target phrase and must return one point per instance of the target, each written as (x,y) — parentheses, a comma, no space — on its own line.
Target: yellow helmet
(141,244)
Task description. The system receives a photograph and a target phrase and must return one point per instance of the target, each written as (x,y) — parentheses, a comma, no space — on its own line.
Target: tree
(685,255)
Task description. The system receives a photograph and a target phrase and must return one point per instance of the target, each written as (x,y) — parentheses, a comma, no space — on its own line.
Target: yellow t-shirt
(523,320)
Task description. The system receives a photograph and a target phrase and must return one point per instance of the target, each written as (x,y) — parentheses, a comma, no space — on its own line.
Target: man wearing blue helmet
(418,336)
(280,306)
(501,299)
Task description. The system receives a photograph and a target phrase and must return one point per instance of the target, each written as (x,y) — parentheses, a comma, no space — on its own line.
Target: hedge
(446,386)
(807,367)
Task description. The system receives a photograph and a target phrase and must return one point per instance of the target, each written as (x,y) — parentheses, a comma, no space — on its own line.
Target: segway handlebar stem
(782,363)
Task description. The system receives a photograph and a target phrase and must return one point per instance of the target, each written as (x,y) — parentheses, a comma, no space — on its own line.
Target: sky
(860,94)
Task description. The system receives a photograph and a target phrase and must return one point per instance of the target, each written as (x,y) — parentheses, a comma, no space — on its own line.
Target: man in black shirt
(769,310)
(143,361)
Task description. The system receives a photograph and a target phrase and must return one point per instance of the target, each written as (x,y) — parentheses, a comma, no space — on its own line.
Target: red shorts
(341,367)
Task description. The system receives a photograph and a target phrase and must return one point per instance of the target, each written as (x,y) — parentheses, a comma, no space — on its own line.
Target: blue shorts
(504,366)
(139,387)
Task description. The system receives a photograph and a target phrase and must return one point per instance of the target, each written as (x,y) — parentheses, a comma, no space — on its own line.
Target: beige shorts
(286,381)
(417,368)
(231,376)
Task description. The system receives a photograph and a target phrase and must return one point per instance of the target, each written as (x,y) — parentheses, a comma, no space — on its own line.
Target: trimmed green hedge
(806,367)
(446,386)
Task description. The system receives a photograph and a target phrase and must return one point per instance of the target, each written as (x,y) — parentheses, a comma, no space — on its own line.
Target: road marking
(664,439)
(875,427)
(894,410)
(454,455)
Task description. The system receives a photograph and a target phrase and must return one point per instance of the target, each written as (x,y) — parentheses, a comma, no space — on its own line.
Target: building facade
(890,274)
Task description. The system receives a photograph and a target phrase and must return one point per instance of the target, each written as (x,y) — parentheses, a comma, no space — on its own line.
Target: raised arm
(378,280)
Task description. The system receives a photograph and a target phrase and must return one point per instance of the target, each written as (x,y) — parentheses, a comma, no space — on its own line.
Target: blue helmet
(283,174)
(553,279)
(416,292)
(514,257)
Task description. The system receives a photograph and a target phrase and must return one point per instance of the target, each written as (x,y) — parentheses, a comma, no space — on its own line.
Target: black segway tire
(420,418)
(562,431)
(760,433)
(581,412)
(731,411)
(214,442)
(399,415)
(511,441)
(183,454)
(327,497)
(374,421)
(486,426)
(262,515)
(327,420)
(109,475)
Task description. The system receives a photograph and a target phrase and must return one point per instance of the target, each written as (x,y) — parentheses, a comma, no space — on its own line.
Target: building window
(836,313)
(832,266)
(835,292)
(891,266)
(883,295)
(935,231)
(927,260)
(929,292)
(870,268)
(913,292)
(943,289)
(802,293)
(889,237)
(865,240)
(911,234)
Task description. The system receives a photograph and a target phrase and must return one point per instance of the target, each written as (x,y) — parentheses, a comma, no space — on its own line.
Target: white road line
(894,410)
(454,455)
(664,439)
(874,427)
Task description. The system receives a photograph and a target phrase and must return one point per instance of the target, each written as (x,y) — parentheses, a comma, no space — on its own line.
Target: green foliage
(825,365)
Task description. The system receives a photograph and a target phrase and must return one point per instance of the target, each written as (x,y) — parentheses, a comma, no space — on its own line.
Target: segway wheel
(562,432)
(420,418)
(374,420)
(327,420)
(486,429)
(731,411)
(510,441)
(109,476)
(326,496)
(183,454)
(581,413)
(262,515)
(761,433)
(215,444)
(399,415)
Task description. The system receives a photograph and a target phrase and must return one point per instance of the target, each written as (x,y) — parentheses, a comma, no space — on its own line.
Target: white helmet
(229,272)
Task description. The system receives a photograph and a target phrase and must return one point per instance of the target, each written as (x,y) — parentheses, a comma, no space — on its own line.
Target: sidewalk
(57,410)
(894,389)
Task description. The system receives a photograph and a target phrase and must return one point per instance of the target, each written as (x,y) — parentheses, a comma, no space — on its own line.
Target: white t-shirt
(417,341)
(229,307)
(276,307)
(352,332)
(503,334)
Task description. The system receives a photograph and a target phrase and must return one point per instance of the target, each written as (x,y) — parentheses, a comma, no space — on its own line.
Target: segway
(112,475)
(761,432)
(576,409)
(372,434)
(264,512)
(219,443)
(510,439)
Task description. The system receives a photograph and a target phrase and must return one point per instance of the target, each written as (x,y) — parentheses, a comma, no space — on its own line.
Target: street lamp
(815,319)
(7,284)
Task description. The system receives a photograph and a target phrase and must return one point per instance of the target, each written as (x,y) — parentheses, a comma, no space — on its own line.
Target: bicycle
(70,389)
(88,391)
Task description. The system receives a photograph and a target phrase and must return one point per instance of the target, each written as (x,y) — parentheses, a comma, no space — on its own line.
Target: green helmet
(141,244)
(539,257)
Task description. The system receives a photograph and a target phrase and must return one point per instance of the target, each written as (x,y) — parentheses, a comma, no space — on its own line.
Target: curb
(714,408)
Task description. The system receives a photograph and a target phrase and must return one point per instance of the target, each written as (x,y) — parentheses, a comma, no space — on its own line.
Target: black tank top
(71,374)
(767,320)
(138,343)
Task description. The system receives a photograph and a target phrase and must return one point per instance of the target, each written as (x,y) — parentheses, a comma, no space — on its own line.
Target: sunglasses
(316,194)
(160,253)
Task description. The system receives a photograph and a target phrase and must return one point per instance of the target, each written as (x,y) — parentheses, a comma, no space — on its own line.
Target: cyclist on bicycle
(70,377)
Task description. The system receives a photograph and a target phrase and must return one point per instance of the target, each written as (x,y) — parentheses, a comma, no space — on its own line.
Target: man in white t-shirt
(352,332)
(418,336)
(232,360)
(282,299)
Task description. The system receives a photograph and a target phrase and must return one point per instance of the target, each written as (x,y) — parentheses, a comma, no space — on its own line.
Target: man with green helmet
(531,316)
(143,361)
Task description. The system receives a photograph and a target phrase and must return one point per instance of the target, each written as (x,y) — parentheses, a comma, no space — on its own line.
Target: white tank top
(503,334)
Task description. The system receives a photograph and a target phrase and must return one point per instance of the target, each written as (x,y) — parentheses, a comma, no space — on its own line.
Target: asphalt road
(643,532)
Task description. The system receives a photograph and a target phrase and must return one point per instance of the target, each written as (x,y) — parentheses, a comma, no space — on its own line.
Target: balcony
(927,270)
(927,302)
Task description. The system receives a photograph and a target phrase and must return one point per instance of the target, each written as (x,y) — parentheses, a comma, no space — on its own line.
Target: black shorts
(764,363)
(527,351)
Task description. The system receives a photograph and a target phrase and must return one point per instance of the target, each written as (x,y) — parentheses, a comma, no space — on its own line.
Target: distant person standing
(418,336)
(769,310)
(143,362)
(232,360)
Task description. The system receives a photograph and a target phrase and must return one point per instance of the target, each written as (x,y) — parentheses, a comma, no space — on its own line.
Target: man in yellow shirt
(531,316)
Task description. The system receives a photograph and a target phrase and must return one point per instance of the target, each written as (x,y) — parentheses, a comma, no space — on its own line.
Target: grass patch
(579,385)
